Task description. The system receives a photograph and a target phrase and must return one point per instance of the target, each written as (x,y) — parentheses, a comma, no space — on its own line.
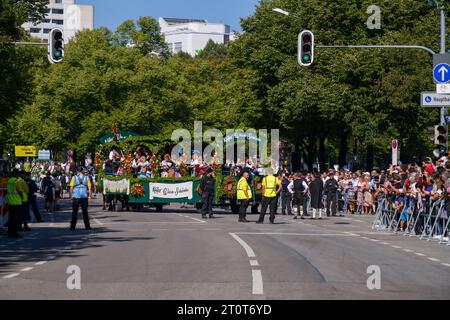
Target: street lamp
(280,11)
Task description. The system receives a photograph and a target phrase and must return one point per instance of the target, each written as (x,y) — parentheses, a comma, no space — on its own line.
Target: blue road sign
(441,73)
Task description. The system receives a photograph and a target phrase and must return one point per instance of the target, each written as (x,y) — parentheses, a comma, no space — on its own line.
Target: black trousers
(14,216)
(266,202)
(207,200)
(35,209)
(243,209)
(23,217)
(286,200)
(331,201)
(76,203)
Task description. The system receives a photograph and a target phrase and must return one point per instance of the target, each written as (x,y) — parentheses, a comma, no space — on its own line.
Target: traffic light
(55,46)
(305,48)
(441,140)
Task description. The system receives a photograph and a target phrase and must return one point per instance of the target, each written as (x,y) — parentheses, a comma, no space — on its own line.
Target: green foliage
(143,34)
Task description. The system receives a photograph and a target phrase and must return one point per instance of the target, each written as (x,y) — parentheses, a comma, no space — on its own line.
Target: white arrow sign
(443,70)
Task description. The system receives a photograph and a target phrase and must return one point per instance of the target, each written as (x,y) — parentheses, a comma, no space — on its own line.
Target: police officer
(207,186)
(81,191)
(14,199)
(331,188)
(271,188)
(25,211)
(299,189)
(32,189)
(244,195)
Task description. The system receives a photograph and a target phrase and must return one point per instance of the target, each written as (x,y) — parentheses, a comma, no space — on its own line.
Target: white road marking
(202,221)
(396,247)
(385,243)
(27,269)
(248,250)
(434,259)
(407,250)
(98,222)
(420,254)
(254,263)
(446,264)
(12,275)
(40,263)
(257,282)
(374,240)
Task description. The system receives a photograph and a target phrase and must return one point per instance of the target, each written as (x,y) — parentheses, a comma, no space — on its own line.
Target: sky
(111,13)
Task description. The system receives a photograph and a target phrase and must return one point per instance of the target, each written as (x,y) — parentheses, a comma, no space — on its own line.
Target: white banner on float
(116,186)
(172,190)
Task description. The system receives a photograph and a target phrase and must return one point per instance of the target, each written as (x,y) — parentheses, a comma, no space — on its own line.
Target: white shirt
(291,187)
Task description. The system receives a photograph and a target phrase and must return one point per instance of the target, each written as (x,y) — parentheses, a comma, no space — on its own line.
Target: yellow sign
(26,151)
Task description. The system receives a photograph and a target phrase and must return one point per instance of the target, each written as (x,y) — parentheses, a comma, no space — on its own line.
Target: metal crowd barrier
(427,219)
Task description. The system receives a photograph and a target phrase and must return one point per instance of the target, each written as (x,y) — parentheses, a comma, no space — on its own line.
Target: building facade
(63,14)
(192,35)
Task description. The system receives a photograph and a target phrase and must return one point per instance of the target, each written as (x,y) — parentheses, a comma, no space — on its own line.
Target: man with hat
(81,191)
(331,188)
(299,189)
(271,188)
(206,189)
(316,191)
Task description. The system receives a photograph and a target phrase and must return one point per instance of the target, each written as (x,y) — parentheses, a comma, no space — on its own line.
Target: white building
(192,35)
(64,14)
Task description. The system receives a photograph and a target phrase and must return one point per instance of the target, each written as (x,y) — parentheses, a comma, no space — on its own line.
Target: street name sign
(432,99)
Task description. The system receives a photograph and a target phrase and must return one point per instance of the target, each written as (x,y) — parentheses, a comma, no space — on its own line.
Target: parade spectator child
(350,197)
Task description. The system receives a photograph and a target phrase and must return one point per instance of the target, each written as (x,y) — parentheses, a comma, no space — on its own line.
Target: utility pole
(444,110)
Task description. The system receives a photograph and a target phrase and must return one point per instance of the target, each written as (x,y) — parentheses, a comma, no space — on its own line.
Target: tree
(17,64)
(143,34)
(213,49)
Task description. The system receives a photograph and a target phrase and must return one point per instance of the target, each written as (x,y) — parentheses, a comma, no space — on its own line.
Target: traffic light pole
(40,44)
(377,47)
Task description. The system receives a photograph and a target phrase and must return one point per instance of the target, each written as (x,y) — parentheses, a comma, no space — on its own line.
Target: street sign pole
(444,110)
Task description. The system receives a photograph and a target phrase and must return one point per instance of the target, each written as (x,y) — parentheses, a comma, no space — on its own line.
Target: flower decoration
(137,190)
(128,162)
(229,187)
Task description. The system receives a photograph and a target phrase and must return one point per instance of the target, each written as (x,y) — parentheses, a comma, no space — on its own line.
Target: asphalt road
(177,255)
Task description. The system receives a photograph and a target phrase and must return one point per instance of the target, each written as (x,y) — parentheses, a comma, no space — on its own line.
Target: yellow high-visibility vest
(13,197)
(24,188)
(241,187)
(270,186)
